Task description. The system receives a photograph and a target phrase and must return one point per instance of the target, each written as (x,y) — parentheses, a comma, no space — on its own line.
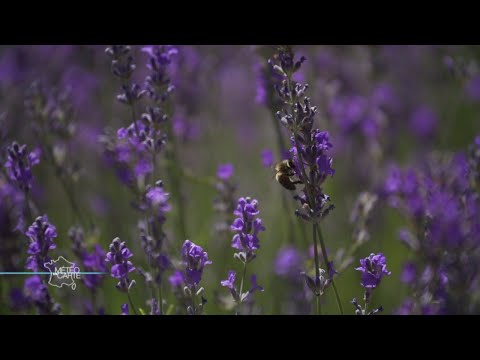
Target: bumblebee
(284,170)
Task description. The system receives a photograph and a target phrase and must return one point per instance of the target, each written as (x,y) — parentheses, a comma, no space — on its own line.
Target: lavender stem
(241,287)
(131,302)
(325,258)
(173,174)
(317,265)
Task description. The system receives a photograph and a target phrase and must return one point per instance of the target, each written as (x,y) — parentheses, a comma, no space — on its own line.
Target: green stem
(194,310)
(27,207)
(317,264)
(319,306)
(175,183)
(94,302)
(325,259)
(73,202)
(281,150)
(241,287)
(131,303)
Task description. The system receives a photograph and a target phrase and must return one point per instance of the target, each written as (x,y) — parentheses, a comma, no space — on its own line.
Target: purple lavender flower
(186,130)
(406,308)
(409,273)
(18,300)
(122,60)
(94,262)
(265,80)
(225,171)
(230,284)
(247,227)
(225,202)
(473,88)
(267,158)
(423,122)
(176,280)
(19,165)
(288,262)
(254,286)
(373,268)
(157,200)
(125,310)
(195,261)
(230,281)
(35,289)
(41,234)
(120,265)
(37,292)
(158,82)
(314,148)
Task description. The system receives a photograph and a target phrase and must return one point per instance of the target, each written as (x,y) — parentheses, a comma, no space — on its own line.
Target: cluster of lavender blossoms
(118,257)
(247,227)
(91,261)
(195,259)
(41,234)
(373,269)
(19,165)
(224,203)
(440,199)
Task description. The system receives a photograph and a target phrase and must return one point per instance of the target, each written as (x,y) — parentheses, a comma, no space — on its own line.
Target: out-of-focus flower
(267,158)
(19,165)
(125,310)
(288,262)
(423,122)
(225,171)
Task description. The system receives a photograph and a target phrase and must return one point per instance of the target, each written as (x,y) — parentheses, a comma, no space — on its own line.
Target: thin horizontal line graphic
(48,273)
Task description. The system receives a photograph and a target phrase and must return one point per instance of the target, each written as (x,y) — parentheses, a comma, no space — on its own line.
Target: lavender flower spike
(247,228)
(373,268)
(41,234)
(118,256)
(195,259)
(19,165)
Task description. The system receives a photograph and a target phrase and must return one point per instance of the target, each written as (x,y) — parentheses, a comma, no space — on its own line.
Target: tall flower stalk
(247,227)
(266,79)
(159,89)
(309,152)
(118,256)
(92,261)
(195,259)
(52,111)
(41,234)
(134,155)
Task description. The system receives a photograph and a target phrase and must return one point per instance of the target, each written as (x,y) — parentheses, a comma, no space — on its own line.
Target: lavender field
(239,180)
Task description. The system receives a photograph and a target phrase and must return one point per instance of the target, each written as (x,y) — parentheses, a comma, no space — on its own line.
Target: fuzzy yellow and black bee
(284,170)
